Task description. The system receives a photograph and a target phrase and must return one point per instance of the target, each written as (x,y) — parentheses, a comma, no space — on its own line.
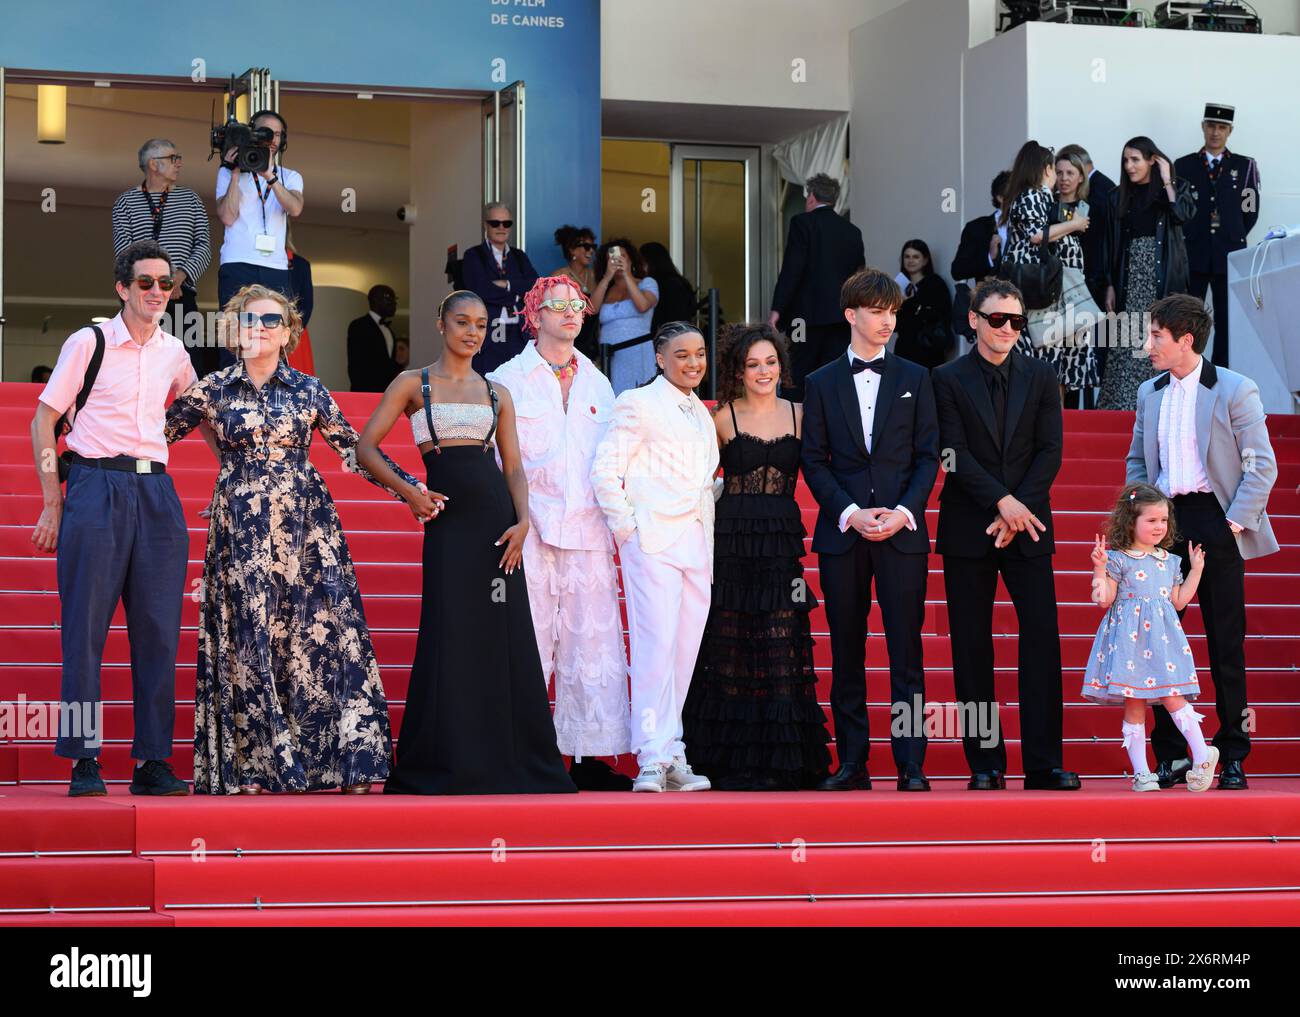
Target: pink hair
(533,301)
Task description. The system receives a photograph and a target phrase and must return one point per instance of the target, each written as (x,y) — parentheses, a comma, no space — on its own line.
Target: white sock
(1189,723)
(1135,741)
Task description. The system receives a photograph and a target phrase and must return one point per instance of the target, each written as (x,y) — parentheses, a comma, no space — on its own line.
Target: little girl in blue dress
(1141,653)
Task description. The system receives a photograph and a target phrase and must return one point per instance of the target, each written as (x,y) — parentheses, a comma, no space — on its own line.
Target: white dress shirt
(500,256)
(388,335)
(1182,470)
(867,384)
(558,446)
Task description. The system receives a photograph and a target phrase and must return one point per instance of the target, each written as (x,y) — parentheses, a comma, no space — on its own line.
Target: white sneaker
(1199,778)
(682,778)
(1145,782)
(651,778)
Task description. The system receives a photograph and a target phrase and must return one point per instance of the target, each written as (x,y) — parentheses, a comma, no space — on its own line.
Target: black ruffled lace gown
(751,719)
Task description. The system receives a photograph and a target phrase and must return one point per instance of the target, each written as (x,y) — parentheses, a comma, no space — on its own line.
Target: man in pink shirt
(562,407)
(119,532)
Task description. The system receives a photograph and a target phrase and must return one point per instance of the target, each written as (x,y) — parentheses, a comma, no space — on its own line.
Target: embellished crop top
(437,422)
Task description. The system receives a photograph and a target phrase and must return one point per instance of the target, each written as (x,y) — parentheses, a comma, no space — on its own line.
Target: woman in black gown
(752,721)
(477,719)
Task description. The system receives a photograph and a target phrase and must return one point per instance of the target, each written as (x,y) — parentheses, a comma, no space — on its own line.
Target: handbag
(1071,320)
(1039,282)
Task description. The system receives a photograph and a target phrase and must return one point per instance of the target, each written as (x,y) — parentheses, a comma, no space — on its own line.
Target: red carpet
(950,857)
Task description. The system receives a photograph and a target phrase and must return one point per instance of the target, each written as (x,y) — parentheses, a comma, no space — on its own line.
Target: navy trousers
(235,275)
(122,537)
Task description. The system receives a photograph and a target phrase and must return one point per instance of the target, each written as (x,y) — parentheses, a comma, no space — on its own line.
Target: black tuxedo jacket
(370,365)
(972,258)
(1099,188)
(821,252)
(903,462)
(981,473)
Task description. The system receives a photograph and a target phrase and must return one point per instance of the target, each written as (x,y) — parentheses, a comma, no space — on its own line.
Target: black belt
(123,464)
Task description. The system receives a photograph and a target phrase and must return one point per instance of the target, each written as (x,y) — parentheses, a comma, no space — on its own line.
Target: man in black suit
(822,250)
(371,343)
(1227,208)
(870,457)
(1001,435)
(978,254)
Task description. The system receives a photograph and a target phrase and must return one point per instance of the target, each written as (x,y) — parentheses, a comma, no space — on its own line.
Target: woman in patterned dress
(287,692)
(1145,259)
(1030,209)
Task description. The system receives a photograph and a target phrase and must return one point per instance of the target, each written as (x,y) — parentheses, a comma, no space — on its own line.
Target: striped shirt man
(183,231)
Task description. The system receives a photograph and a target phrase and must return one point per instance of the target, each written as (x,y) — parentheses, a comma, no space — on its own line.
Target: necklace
(563,371)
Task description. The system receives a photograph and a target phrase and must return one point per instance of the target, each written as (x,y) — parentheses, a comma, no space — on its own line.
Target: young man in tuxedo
(870,457)
(1200,437)
(821,251)
(1000,427)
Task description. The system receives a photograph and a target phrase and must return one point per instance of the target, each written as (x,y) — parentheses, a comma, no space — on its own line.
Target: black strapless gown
(751,718)
(477,719)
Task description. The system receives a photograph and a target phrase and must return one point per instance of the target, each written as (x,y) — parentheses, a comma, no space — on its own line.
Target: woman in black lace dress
(752,721)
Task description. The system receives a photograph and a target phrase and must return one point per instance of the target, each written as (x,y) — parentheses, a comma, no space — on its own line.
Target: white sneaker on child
(1200,777)
(1145,782)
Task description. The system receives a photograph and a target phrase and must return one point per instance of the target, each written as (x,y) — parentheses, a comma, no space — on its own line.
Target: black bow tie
(858,366)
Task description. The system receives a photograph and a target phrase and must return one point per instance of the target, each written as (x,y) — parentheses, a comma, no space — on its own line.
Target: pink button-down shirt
(558,447)
(125,412)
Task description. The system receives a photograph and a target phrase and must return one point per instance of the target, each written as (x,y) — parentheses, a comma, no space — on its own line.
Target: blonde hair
(235,305)
(1076,160)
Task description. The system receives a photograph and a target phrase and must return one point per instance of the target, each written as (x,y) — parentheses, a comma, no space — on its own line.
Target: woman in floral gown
(287,691)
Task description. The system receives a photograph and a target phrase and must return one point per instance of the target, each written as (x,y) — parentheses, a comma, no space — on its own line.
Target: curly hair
(1123,518)
(229,319)
(533,299)
(734,343)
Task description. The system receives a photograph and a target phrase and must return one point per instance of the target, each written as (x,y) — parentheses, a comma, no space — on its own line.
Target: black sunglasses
(586,245)
(497,224)
(273,320)
(999,318)
(146,282)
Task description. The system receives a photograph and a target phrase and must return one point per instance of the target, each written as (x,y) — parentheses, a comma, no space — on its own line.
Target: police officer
(1227,206)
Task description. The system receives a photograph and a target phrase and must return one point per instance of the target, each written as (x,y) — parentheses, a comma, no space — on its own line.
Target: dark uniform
(1227,207)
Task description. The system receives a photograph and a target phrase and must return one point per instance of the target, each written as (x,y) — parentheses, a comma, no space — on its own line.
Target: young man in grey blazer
(1200,437)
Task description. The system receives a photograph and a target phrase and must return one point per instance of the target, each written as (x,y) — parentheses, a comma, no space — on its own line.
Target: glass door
(503,153)
(713,224)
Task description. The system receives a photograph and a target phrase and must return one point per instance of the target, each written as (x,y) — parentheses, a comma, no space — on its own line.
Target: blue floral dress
(287,693)
(1141,651)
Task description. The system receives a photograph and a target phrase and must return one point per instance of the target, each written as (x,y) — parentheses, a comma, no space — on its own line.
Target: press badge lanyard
(156,211)
(265,242)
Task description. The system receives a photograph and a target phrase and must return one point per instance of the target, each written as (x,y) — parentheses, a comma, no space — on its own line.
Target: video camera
(252,144)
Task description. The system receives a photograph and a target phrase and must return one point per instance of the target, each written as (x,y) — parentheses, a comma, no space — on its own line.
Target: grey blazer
(1234,445)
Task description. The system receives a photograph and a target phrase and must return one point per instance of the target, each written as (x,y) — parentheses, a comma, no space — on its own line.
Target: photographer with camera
(255,197)
(175,217)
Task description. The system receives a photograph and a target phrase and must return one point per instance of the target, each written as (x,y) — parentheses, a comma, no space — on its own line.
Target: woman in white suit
(653,477)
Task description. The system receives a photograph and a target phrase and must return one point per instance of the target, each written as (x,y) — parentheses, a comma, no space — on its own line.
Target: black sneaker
(154,777)
(86,782)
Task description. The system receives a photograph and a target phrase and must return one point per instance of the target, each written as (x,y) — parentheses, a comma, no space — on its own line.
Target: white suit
(568,552)
(653,477)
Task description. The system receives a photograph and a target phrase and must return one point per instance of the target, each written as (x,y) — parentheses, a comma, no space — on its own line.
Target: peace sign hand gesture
(1099,553)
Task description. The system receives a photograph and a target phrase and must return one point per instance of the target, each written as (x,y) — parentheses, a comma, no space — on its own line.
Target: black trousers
(971,585)
(1222,596)
(1217,283)
(821,344)
(192,330)
(900,587)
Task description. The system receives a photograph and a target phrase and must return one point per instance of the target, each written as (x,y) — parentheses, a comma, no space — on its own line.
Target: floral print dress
(1141,651)
(288,695)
